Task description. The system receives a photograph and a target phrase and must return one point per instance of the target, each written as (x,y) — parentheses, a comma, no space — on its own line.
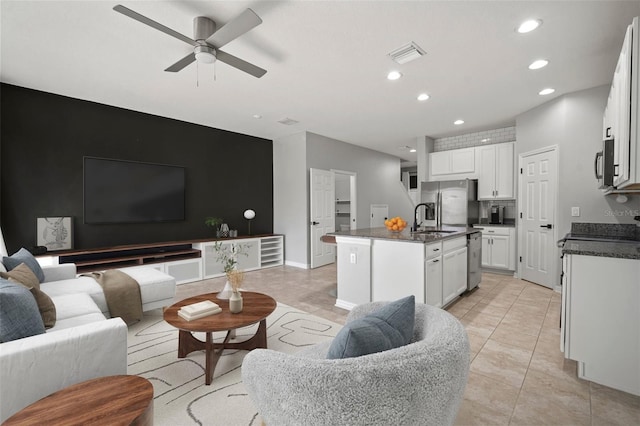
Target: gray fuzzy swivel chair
(418,384)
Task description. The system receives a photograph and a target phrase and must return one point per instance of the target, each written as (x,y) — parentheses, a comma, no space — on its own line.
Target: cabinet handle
(608,132)
(436,249)
(491,231)
(436,261)
(595,164)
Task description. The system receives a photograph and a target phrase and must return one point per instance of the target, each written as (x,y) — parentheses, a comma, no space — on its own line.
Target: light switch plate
(575,211)
(353,258)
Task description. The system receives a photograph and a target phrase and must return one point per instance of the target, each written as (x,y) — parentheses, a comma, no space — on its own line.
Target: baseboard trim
(344,305)
(296,264)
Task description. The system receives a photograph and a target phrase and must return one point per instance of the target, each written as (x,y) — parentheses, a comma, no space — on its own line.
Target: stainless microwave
(604,165)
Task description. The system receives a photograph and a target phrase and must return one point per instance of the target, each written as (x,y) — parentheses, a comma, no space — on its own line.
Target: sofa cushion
(84,285)
(2,268)
(24,256)
(23,275)
(388,327)
(19,316)
(75,305)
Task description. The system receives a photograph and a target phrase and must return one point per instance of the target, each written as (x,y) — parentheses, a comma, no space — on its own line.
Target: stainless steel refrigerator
(451,202)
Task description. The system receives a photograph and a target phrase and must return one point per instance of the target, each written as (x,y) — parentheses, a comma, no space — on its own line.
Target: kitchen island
(376,264)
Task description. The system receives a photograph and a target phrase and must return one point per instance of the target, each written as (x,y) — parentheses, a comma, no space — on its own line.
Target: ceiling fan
(208,41)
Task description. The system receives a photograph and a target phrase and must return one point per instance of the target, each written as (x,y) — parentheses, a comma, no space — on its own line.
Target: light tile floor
(518,375)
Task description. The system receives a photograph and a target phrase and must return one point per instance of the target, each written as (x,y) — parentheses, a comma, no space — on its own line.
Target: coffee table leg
(261,334)
(212,356)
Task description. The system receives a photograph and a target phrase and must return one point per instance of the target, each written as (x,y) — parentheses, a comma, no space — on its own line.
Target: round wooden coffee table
(256,308)
(110,400)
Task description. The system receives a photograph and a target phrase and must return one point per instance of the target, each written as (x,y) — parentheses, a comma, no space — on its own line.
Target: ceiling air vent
(406,53)
(288,121)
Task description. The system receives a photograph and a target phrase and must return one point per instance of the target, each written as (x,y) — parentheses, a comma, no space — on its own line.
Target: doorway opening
(345,192)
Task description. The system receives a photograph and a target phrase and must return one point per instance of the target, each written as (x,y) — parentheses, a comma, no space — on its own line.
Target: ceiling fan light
(205,54)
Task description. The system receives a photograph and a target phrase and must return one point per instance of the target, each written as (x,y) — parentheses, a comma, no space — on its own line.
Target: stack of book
(199,310)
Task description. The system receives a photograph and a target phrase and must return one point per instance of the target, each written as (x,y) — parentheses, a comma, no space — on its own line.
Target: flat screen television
(119,191)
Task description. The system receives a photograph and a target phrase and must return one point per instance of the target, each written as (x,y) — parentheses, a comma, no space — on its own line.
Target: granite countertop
(603,240)
(496,225)
(623,249)
(440,233)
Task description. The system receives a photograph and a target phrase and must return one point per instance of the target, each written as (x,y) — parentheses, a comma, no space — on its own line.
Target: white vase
(226,291)
(235,302)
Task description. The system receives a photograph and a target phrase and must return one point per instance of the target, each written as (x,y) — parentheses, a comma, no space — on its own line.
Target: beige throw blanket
(122,294)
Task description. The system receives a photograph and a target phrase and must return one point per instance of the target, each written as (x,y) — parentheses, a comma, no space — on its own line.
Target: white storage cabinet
(498,247)
(496,178)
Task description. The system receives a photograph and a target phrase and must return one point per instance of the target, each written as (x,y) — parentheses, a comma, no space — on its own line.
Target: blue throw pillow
(388,327)
(24,256)
(19,316)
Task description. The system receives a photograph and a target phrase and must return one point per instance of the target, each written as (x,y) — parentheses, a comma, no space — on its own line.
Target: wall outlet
(575,211)
(353,258)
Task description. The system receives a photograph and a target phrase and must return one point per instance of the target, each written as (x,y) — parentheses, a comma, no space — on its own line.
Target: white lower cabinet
(433,274)
(261,252)
(184,271)
(446,273)
(454,274)
(498,247)
(600,322)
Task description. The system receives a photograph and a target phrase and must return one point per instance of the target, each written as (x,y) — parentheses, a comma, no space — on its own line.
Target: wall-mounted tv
(120,191)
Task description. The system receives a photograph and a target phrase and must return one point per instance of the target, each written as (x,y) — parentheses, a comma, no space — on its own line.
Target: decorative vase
(224,230)
(226,291)
(235,302)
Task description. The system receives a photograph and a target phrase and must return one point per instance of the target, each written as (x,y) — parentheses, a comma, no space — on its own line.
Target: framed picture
(55,233)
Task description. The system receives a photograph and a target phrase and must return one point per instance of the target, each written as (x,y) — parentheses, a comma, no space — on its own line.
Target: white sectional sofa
(83,344)
(157,289)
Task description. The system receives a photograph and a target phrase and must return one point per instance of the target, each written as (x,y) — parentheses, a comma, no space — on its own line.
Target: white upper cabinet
(620,120)
(496,178)
(617,113)
(455,161)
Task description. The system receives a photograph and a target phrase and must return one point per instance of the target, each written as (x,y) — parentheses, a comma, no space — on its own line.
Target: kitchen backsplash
(487,137)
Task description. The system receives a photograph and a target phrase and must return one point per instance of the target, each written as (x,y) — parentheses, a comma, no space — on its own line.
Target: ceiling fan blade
(150,22)
(240,64)
(182,63)
(235,28)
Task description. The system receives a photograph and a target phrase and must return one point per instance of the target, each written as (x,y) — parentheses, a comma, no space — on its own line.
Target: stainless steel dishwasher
(474,260)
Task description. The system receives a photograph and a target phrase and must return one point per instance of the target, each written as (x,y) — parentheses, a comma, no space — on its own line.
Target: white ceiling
(326,60)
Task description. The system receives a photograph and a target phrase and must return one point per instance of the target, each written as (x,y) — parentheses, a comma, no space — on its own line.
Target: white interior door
(538,189)
(379,213)
(322,212)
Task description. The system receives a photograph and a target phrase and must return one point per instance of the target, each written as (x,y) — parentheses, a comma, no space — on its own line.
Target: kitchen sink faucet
(427,206)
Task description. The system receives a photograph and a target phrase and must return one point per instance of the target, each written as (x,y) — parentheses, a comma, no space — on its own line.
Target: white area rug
(180,396)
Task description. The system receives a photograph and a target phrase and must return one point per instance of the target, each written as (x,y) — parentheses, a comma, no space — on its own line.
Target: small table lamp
(249,214)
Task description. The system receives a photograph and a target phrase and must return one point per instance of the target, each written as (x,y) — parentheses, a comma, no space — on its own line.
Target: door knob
(315,223)
(548,226)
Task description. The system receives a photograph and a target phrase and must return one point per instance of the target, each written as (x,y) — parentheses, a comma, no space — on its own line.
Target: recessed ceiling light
(458,122)
(423,97)
(485,140)
(528,26)
(394,75)
(257,116)
(540,63)
(546,91)
(412,150)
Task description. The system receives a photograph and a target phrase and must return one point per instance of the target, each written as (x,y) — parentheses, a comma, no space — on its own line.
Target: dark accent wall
(43,138)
